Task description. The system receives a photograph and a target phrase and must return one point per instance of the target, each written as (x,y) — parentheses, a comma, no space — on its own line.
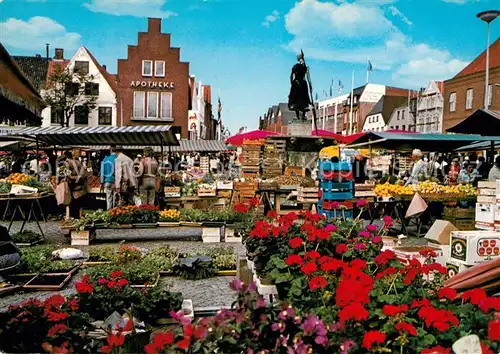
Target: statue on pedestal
(299,99)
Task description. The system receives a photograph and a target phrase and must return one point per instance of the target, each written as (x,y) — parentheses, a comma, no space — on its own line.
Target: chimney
(154,25)
(104,67)
(59,54)
(47,55)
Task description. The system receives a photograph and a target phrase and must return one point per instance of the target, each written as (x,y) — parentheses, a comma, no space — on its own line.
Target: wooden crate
(207,192)
(295,171)
(82,238)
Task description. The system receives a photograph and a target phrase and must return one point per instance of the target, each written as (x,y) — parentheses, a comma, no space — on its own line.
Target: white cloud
(424,70)
(460,2)
(34,33)
(397,13)
(136,8)
(351,32)
(273,17)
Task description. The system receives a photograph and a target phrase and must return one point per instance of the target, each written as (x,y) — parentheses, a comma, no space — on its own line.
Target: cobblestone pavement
(213,292)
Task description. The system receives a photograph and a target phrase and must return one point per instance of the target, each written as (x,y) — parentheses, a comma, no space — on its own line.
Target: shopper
(108,178)
(77,182)
(418,167)
(125,180)
(482,168)
(148,169)
(495,170)
(454,171)
(467,174)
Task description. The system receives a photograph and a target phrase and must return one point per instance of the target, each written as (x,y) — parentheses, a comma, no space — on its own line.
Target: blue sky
(245,49)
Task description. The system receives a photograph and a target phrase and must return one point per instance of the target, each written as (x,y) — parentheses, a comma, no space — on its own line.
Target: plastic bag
(63,193)
(68,253)
(137,200)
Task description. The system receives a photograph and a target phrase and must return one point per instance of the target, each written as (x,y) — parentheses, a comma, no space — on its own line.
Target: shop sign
(193,121)
(153,84)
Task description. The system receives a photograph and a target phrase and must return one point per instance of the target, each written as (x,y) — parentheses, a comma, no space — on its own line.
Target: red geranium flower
(122,282)
(384,257)
(420,303)
(494,330)
(393,310)
(362,203)
(116,274)
(474,296)
(308,268)
(55,316)
(490,303)
(485,349)
(272,214)
(296,242)
(376,239)
(406,327)
(341,248)
(436,350)
(294,259)
(331,265)
(240,208)
(183,344)
(354,311)
(386,272)
(102,281)
(387,222)
(58,328)
(55,301)
(313,255)
(373,337)
(447,293)
(84,286)
(318,282)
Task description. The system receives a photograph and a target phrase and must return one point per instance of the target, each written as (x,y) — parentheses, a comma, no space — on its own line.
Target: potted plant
(195,268)
(122,217)
(156,304)
(142,274)
(163,258)
(169,218)
(27,238)
(191,217)
(145,216)
(60,266)
(101,255)
(35,259)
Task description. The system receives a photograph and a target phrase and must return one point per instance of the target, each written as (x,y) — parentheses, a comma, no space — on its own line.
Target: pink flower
(360,247)
(387,222)
(376,239)
(362,203)
(372,228)
(330,228)
(335,205)
(364,234)
(179,317)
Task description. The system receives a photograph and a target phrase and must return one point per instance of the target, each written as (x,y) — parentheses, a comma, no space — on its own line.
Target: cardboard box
(487,184)
(474,247)
(406,253)
(498,189)
(486,199)
(488,192)
(440,232)
(389,242)
(453,268)
(82,238)
(485,214)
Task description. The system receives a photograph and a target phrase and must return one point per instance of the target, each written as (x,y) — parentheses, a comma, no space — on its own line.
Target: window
(105,115)
(56,116)
(166,105)
(403,115)
(159,68)
(81,115)
(139,108)
(81,67)
(147,68)
(398,115)
(469,99)
(152,104)
(403,127)
(72,89)
(92,89)
(490,94)
(453,101)
(397,127)
(355,99)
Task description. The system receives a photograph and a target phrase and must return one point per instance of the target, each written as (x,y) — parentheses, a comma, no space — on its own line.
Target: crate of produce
(172,192)
(240,186)
(207,192)
(224,193)
(224,185)
(474,247)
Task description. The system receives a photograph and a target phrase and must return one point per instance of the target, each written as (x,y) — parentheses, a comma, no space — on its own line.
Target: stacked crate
(462,218)
(205,164)
(307,195)
(336,187)
(486,205)
(274,155)
(244,191)
(251,160)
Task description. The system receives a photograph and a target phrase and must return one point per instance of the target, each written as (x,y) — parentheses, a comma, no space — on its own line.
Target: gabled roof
(110,78)
(35,69)
(286,114)
(479,64)
(386,105)
(274,110)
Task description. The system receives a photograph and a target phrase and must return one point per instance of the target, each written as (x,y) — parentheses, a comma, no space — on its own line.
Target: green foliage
(189,269)
(162,258)
(156,303)
(100,271)
(102,254)
(5,188)
(35,259)
(26,236)
(90,219)
(60,266)
(143,272)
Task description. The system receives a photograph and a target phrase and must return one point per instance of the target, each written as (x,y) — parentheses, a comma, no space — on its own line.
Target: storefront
(153,83)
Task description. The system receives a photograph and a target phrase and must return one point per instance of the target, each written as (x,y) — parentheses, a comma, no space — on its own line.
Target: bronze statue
(299,99)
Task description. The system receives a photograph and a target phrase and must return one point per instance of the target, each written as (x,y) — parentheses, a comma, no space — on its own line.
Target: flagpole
(352,99)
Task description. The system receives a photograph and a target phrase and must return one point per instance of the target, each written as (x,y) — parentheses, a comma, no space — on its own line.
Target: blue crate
(329,214)
(332,186)
(329,195)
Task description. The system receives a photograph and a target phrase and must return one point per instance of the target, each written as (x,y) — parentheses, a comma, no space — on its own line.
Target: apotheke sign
(153,84)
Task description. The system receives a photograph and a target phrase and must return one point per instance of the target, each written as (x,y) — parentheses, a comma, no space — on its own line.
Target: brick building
(465,93)
(153,83)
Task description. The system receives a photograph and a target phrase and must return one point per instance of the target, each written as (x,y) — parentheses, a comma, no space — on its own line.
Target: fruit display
(18,178)
(293,181)
(426,188)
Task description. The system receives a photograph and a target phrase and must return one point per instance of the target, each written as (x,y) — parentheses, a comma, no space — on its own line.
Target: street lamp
(488,17)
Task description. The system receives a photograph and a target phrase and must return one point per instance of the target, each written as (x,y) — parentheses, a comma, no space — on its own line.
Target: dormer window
(81,67)
(147,68)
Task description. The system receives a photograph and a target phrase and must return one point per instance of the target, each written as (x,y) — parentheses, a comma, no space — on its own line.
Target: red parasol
(237,140)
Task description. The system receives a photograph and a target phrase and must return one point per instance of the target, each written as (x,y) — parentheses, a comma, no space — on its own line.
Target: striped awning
(91,136)
(184,146)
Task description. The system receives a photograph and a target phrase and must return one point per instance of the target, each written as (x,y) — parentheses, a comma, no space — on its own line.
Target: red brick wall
(154,45)
(460,85)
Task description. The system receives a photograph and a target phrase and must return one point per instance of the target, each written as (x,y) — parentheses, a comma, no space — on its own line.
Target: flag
(370,66)
(331,90)
(219,109)
(341,86)
(317,96)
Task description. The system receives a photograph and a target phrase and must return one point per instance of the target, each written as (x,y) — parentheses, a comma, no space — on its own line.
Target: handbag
(63,193)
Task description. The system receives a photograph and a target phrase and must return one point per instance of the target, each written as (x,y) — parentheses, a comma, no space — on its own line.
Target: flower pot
(100,226)
(212,224)
(166,273)
(169,224)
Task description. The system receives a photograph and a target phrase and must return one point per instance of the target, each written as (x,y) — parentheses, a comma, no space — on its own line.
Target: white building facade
(374,123)
(430,109)
(401,119)
(196,116)
(105,113)
(331,114)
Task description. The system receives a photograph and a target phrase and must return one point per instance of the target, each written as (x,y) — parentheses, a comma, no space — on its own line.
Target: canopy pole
(492,146)
(37,156)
